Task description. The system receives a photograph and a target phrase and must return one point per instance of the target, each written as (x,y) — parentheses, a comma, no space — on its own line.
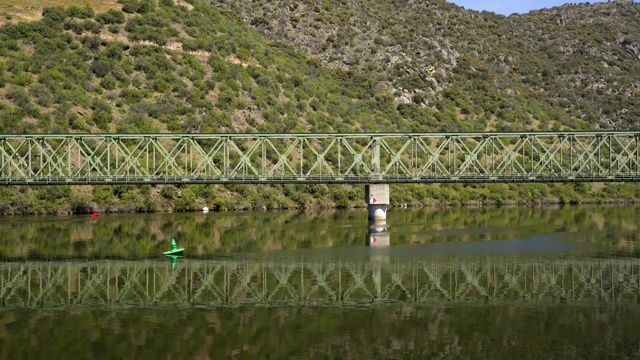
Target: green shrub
(92,26)
(100,68)
(108,82)
(132,96)
(73,25)
(80,204)
(136,123)
(111,17)
(102,119)
(137,6)
(169,192)
(54,14)
(85,12)
(21,79)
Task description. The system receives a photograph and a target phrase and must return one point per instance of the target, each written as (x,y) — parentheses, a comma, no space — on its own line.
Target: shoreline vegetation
(73,200)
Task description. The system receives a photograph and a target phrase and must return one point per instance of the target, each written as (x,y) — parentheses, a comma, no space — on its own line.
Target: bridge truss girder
(122,283)
(319,158)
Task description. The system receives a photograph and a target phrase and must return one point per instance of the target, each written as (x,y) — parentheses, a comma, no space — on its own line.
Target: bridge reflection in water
(229,282)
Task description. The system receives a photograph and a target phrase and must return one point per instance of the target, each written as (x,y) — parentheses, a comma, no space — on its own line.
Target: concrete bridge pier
(377,198)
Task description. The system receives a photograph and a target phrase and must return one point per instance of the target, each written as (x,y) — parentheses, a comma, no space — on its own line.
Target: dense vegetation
(302,66)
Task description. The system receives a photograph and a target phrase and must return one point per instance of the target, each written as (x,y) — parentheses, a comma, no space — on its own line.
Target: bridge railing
(319,158)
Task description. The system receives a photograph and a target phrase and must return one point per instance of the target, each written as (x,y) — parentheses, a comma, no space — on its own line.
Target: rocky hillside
(575,66)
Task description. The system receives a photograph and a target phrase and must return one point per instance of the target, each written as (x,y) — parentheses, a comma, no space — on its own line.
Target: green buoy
(174,249)
(174,260)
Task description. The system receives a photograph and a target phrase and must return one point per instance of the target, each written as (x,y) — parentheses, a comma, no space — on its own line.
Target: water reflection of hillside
(612,229)
(426,332)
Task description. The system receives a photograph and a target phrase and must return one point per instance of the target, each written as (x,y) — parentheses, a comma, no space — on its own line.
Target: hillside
(301,66)
(176,68)
(575,66)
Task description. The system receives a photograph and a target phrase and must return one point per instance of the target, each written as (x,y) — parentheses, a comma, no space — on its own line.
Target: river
(451,283)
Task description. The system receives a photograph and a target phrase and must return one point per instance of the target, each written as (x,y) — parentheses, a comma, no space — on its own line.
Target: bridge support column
(377,198)
(378,235)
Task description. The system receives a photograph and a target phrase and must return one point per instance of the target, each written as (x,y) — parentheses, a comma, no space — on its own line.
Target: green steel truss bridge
(223,283)
(319,158)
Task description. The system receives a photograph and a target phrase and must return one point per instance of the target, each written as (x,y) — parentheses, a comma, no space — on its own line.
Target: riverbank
(69,200)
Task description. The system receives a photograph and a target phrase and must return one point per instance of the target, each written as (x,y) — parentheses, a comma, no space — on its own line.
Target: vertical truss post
(117,145)
(339,140)
(264,155)
(572,151)
(190,147)
(375,162)
(610,154)
(561,137)
(635,139)
(599,137)
(225,150)
(414,156)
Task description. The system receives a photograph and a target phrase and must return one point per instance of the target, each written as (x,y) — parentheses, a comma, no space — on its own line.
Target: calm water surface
(470,283)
